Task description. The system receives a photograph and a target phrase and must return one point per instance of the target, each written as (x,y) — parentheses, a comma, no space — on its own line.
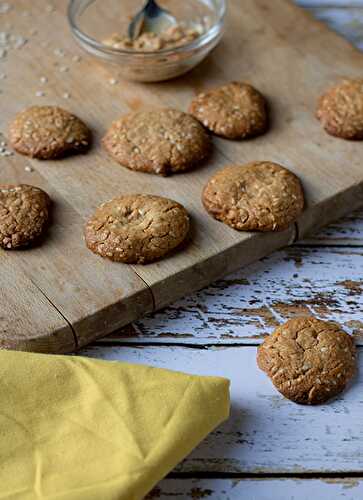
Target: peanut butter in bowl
(175,36)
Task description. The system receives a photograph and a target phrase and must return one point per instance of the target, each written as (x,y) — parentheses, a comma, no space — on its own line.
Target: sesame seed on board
(5,7)
(4,151)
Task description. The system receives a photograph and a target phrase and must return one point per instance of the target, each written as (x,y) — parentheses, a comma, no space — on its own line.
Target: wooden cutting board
(59,296)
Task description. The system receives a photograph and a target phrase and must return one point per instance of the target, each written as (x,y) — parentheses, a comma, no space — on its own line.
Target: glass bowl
(92,21)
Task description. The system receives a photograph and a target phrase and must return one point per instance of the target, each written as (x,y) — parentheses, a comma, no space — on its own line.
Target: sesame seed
(66,95)
(112,81)
(3,37)
(3,53)
(28,168)
(43,79)
(63,69)
(40,93)
(76,58)
(59,52)
(5,8)
(19,42)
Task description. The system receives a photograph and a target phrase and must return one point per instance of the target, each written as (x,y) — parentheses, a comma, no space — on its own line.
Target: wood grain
(266,433)
(95,296)
(27,316)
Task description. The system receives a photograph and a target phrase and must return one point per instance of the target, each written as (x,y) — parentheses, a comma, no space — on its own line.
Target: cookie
(308,360)
(137,228)
(259,196)
(24,214)
(340,110)
(48,132)
(162,141)
(234,111)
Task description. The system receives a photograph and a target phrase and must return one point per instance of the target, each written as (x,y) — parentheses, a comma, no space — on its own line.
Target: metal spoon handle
(152,9)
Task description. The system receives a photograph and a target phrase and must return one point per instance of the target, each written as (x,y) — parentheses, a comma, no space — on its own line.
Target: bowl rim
(199,42)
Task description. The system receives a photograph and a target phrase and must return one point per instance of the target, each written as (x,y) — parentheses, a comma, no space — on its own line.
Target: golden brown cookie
(162,141)
(48,132)
(259,196)
(308,360)
(340,110)
(137,228)
(24,214)
(235,111)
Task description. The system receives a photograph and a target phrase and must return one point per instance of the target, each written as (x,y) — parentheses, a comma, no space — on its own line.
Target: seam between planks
(263,475)
(150,290)
(76,344)
(200,347)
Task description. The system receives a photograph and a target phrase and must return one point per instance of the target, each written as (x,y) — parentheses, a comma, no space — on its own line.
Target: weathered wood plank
(346,21)
(346,231)
(258,489)
(265,433)
(245,306)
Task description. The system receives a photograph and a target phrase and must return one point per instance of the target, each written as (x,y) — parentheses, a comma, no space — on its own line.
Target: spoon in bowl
(151,19)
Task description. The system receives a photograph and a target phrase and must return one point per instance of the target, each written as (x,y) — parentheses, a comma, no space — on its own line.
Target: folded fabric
(73,428)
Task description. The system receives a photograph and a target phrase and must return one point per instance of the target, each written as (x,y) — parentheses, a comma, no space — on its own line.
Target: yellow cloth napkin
(73,428)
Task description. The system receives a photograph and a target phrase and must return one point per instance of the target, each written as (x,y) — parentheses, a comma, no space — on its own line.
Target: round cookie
(24,214)
(308,360)
(162,141)
(48,132)
(137,228)
(259,196)
(234,111)
(340,110)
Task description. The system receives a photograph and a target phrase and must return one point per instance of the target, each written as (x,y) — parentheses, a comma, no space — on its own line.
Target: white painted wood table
(270,449)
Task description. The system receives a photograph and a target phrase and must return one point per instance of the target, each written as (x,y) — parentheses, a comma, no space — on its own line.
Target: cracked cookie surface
(308,360)
(137,229)
(340,110)
(24,214)
(162,141)
(48,132)
(258,196)
(234,111)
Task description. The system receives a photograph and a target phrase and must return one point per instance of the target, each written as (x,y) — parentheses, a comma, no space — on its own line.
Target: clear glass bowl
(92,21)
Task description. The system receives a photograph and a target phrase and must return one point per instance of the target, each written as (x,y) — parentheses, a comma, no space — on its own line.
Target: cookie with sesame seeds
(258,196)
(137,229)
(161,141)
(24,214)
(234,111)
(340,110)
(308,360)
(48,132)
